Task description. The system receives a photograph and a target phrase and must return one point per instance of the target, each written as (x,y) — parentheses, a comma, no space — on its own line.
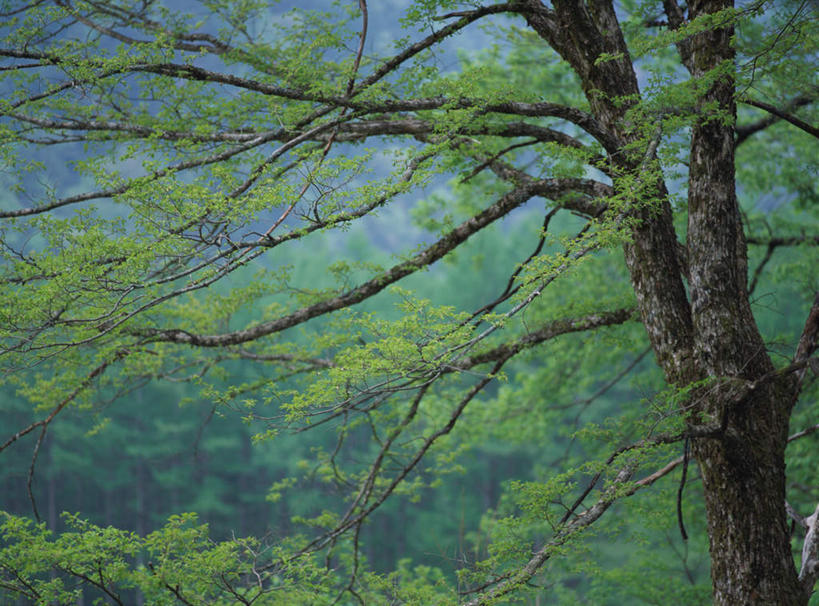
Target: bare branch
(805,432)
(744,131)
(760,267)
(783,241)
(784,115)
(30,480)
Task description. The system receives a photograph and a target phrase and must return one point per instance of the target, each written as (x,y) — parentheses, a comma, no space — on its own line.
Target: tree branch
(784,115)
(351,521)
(676,19)
(783,241)
(67,400)
(582,521)
(547,332)
(510,201)
(744,131)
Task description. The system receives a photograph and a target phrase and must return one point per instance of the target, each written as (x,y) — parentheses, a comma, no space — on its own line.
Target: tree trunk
(743,474)
(715,336)
(743,469)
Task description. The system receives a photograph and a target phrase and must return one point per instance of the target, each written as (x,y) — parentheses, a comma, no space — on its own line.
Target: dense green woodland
(409,302)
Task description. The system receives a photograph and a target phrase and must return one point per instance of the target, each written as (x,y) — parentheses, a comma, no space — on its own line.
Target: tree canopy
(578,235)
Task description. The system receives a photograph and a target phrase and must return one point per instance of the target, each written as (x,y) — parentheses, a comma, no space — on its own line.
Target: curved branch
(214,45)
(351,521)
(507,203)
(411,51)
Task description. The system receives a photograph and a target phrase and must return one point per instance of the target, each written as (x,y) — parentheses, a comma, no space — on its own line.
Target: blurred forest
(165,448)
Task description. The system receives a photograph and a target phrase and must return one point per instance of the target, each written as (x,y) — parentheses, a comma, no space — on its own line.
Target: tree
(214,140)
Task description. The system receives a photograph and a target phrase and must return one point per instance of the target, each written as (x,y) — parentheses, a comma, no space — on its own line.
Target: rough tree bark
(744,468)
(715,336)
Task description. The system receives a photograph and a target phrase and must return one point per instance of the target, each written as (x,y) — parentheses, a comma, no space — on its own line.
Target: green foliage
(221,227)
(177,563)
